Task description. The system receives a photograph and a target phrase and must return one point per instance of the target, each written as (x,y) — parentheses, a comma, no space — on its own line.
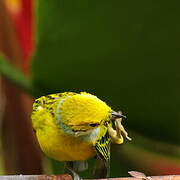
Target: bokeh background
(125,52)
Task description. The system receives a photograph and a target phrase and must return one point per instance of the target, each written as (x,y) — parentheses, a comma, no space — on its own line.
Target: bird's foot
(69,170)
(76,176)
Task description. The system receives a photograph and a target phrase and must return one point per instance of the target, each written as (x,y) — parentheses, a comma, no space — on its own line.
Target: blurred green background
(125,52)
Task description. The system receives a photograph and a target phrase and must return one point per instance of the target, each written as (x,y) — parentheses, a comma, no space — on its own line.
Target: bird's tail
(102,168)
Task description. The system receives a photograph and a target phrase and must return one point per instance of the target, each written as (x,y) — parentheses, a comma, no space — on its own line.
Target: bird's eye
(94,124)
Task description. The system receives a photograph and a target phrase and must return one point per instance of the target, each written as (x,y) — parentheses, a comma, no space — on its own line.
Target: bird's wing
(103,152)
(103,147)
(43,110)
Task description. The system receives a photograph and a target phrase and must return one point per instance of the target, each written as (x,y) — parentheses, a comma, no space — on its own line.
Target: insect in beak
(116,134)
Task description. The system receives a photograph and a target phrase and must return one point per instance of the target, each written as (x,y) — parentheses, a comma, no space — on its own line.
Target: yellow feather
(82,109)
(58,118)
(60,146)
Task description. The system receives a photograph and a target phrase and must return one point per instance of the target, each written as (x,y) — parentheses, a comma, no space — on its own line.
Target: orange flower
(14,6)
(22,17)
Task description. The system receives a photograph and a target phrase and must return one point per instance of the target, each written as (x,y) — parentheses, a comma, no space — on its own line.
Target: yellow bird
(74,127)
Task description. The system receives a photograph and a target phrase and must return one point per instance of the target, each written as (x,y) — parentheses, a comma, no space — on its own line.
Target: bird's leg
(80,166)
(69,168)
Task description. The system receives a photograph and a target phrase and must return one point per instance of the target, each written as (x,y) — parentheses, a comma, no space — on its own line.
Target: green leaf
(15,76)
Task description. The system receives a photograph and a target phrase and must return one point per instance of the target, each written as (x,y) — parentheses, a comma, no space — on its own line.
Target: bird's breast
(64,147)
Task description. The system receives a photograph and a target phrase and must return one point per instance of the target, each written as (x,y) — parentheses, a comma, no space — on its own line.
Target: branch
(68,177)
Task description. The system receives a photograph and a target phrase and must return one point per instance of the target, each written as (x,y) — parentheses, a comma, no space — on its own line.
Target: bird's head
(83,112)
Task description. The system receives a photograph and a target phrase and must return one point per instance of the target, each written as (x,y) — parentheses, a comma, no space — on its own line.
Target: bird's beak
(116,115)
